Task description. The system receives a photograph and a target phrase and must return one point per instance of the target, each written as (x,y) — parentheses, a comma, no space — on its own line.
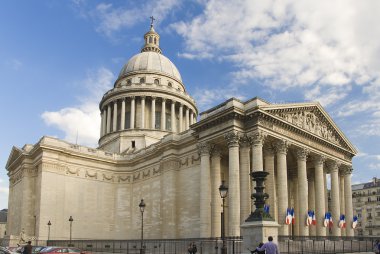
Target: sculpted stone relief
(310,121)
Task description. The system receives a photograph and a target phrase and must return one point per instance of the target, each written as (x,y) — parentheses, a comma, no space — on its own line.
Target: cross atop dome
(152,39)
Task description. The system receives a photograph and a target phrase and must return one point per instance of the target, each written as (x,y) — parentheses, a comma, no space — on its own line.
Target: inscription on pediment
(311,121)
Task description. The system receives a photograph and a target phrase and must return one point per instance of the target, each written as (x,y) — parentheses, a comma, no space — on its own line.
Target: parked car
(60,250)
(35,249)
(4,250)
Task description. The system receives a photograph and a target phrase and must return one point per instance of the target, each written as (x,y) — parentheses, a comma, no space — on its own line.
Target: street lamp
(142,207)
(223,191)
(71,227)
(49,224)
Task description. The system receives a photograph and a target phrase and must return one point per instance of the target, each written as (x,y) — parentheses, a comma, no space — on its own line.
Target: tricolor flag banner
(331,222)
(355,221)
(314,219)
(288,218)
(293,216)
(266,208)
(309,219)
(327,219)
(342,221)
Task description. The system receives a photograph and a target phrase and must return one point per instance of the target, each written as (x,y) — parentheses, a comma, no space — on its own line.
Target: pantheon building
(155,145)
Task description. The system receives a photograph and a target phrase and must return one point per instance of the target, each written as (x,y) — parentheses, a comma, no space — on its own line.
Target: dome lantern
(152,39)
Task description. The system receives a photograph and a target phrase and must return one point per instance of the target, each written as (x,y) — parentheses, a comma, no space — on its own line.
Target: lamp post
(71,227)
(142,207)
(223,191)
(49,224)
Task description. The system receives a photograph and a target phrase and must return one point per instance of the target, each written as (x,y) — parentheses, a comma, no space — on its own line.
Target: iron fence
(158,246)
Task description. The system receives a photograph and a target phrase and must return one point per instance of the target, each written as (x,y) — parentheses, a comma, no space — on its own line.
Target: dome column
(103,120)
(187,118)
(108,118)
(191,117)
(163,114)
(173,116)
(114,126)
(133,111)
(122,118)
(180,118)
(153,116)
(142,112)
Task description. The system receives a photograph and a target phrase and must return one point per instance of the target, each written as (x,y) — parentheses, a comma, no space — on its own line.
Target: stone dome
(150,62)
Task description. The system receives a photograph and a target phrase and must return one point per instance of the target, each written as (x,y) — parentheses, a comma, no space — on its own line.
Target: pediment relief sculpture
(312,121)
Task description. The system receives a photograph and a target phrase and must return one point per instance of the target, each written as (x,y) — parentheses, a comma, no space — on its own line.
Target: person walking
(28,248)
(270,247)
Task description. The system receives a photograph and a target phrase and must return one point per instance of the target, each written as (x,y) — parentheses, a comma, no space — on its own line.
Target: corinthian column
(348,201)
(180,118)
(173,116)
(341,199)
(335,204)
(245,193)
(319,194)
(187,118)
(108,118)
(153,113)
(114,127)
(122,117)
(142,112)
(270,185)
(257,151)
(216,201)
(281,148)
(311,200)
(233,182)
(205,190)
(133,112)
(302,191)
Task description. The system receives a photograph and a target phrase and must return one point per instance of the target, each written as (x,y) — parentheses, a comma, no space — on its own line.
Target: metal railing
(158,246)
(325,245)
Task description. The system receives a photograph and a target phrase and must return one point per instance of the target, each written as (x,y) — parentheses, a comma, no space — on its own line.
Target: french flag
(342,221)
(355,221)
(288,218)
(309,219)
(314,222)
(331,222)
(327,219)
(266,208)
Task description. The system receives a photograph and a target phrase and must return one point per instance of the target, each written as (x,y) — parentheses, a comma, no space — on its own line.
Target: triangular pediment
(311,117)
(14,155)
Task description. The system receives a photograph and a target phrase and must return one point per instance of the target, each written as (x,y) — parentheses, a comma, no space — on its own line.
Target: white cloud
(206,98)
(289,44)
(111,18)
(82,123)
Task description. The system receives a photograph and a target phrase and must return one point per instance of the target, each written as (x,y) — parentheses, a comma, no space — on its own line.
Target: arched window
(155,41)
(170,84)
(150,40)
(142,80)
(156,81)
(129,82)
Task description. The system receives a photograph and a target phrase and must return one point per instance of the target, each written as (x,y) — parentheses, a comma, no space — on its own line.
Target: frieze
(124,179)
(72,171)
(136,176)
(91,174)
(184,163)
(108,177)
(156,171)
(51,167)
(194,159)
(146,174)
(311,121)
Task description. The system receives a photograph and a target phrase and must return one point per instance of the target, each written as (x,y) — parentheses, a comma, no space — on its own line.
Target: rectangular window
(133,144)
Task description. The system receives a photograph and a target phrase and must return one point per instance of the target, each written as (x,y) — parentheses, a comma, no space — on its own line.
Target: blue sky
(57,58)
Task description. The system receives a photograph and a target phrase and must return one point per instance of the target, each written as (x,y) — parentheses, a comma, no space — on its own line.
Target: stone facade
(177,165)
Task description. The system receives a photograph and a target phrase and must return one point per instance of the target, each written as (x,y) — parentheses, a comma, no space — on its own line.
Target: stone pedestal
(255,232)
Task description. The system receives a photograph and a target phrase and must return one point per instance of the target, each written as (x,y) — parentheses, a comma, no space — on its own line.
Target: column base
(255,232)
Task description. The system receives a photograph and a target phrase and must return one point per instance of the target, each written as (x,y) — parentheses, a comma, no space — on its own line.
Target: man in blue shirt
(270,247)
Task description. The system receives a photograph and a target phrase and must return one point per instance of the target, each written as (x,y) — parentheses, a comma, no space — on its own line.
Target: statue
(22,237)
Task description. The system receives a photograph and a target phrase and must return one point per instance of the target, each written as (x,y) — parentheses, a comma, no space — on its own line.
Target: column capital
(302,153)
(163,99)
(332,166)
(232,138)
(153,98)
(173,102)
(216,151)
(142,97)
(319,159)
(115,102)
(180,105)
(281,146)
(346,169)
(245,141)
(203,148)
(257,138)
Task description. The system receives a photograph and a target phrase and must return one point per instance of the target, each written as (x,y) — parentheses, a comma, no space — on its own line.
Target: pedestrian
(257,249)
(270,247)
(376,247)
(28,248)
(194,248)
